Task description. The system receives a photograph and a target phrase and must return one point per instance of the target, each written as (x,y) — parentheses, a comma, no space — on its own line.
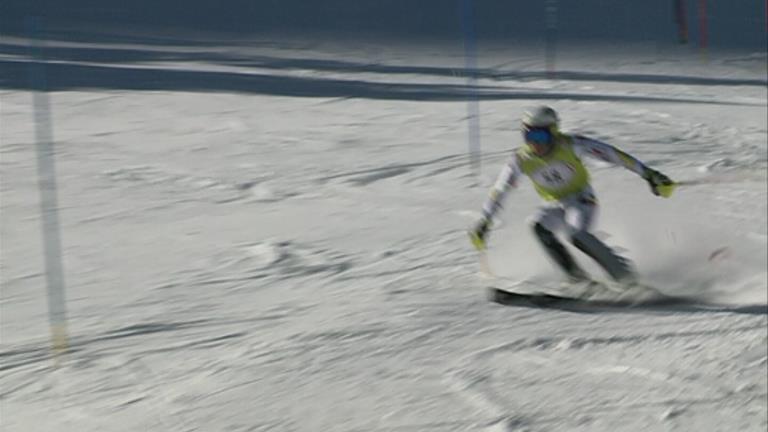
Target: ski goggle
(537,135)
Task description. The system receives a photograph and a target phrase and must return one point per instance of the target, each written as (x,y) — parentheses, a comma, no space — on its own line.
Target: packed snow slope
(263,236)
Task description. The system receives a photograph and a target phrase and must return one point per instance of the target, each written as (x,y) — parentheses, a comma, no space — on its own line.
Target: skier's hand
(478,234)
(660,184)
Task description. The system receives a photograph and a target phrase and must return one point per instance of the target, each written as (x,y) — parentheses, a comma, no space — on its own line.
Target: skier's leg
(548,220)
(580,216)
(617,266)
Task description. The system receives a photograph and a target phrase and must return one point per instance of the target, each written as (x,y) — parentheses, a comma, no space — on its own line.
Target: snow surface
(279,243)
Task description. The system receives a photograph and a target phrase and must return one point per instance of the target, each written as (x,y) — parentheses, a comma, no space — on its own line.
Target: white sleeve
(506,180)
(584,146)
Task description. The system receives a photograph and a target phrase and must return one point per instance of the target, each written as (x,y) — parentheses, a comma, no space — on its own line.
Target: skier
(552,160)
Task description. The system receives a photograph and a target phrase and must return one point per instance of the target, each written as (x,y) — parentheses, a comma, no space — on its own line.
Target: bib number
(554,176)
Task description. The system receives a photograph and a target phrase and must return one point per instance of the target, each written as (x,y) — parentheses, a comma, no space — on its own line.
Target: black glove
(656,179)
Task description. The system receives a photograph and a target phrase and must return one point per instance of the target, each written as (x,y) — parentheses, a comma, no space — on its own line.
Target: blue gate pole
(46,172)
(470,68)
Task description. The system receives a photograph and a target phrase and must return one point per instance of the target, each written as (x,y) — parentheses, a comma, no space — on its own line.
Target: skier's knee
(586,242)
(579,237)
(540,229)
(532,221)
(545,235)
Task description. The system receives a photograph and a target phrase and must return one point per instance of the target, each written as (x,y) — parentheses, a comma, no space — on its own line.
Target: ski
(546,300)
(596,295)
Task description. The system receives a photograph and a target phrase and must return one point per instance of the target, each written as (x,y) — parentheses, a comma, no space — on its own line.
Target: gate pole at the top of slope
(550,25)
(681,21)
(703,31)
(467,13)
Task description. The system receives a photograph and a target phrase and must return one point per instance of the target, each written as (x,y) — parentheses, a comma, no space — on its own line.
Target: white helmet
(540,130)
(543,116)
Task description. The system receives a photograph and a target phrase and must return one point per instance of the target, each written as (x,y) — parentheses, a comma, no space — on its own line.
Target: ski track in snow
(489,375)
(257,262)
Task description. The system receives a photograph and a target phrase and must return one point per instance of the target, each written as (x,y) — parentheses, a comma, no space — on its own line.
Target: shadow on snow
(67,76)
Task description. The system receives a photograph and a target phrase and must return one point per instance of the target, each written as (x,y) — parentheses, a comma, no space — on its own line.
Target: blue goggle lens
(538,136)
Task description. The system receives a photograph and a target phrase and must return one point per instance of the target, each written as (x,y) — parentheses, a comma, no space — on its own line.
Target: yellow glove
(479,232)
(661,185)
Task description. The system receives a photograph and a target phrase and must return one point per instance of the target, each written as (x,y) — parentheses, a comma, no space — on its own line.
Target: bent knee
(544,234)
(540,224)
(576,235)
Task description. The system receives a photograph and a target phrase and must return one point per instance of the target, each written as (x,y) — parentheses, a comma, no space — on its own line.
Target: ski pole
(667,190)
(482,248)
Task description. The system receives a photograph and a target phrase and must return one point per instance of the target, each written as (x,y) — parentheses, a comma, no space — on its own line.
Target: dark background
(733,23)
(178,31)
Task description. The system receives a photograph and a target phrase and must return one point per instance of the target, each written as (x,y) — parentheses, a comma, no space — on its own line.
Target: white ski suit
(561,179)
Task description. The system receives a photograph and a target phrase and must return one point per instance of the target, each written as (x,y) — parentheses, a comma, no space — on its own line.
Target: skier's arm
(507,179)
(593,148)
(606,152)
